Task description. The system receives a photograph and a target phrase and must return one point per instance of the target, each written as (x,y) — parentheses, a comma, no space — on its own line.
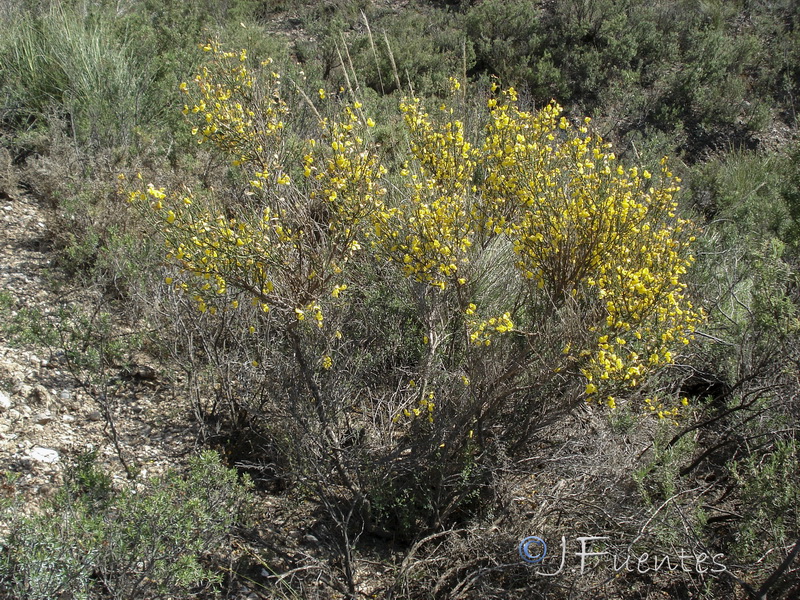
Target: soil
(48,416)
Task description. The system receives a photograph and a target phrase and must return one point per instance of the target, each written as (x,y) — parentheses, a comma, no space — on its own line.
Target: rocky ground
(47,415)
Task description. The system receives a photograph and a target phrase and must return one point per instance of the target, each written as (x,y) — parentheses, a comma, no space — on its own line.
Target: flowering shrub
(539,271)
(582,228)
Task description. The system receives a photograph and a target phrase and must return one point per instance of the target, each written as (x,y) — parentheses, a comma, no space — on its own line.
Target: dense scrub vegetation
(408,282)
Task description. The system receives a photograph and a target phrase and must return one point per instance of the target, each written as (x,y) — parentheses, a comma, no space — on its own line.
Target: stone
(22,389)
(43,455)
(94,415)
(41,395)
(43,418)
(5,401)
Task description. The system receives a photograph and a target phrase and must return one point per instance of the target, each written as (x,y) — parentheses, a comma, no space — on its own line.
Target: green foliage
(790,192)
(89,340)
(70,62)
(109,72)
(623,421)
(409,496)
(704,74)
(338,402)
(101,247)
(508,39)
(659,479)
(422,49)
(747,267)
(770,498)
(94,540)
(85,482)
(769,512)
(24,326)
(670,66)
(741,194)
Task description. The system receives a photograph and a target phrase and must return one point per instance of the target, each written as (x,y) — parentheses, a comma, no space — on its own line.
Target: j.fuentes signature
(533,550)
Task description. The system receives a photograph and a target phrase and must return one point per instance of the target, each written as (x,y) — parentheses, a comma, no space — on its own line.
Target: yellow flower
(612,242)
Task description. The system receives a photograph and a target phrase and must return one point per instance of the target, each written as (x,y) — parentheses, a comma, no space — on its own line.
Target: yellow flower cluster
(345,175)
(288,245)
(516,156)
(226,257)
(229,110)
(583,229)
(662,411)
(480,331)
(579,229)
(425,407)
(429,233)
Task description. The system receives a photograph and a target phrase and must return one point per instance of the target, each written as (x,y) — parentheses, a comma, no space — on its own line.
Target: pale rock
(22,390)
(43,418)
(5,401)
(43,455)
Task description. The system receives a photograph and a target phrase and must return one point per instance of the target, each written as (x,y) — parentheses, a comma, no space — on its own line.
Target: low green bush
(95,541)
